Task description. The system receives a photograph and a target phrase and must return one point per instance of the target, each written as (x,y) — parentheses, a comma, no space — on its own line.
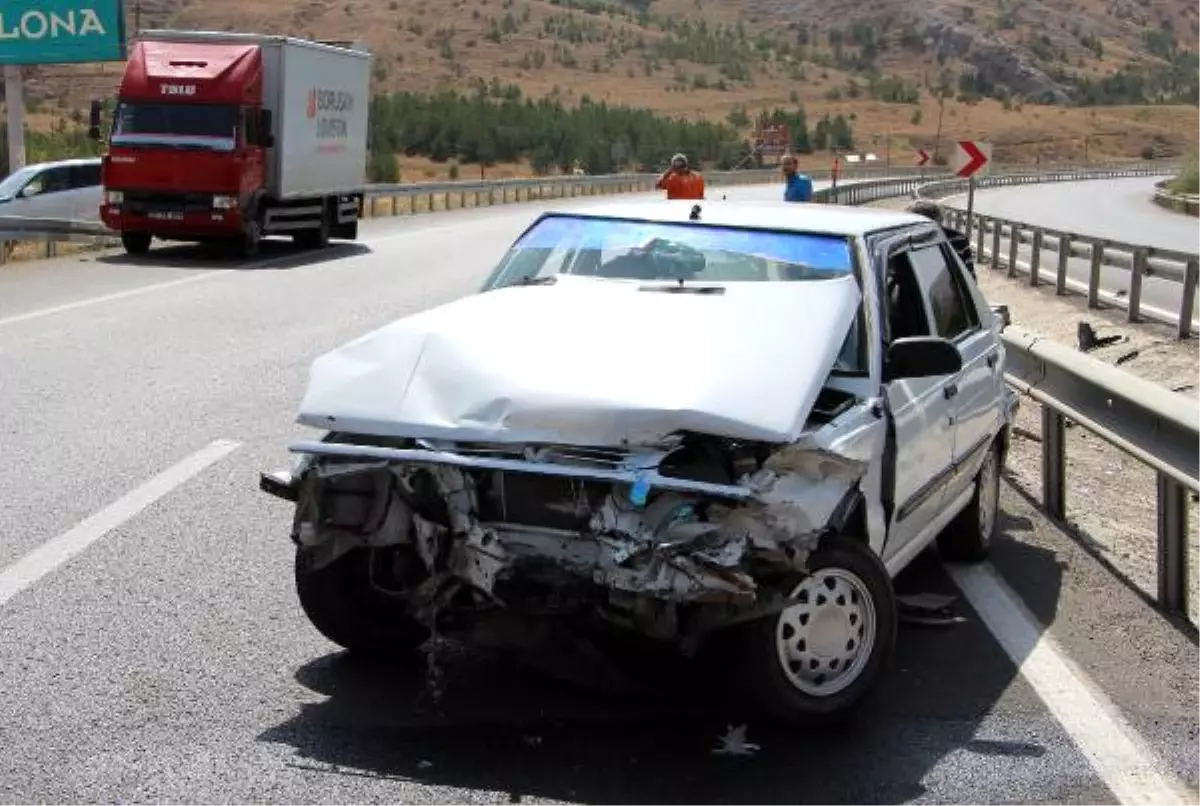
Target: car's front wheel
(347,604)
(817,660)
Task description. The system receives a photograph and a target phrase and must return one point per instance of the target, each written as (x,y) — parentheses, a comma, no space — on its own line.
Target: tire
(314,238)
(250,240)
(135,243)
(850,616)
(968,538)
(340,601)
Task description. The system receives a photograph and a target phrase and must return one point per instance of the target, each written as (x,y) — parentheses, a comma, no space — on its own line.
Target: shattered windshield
(205,126)
(641,250)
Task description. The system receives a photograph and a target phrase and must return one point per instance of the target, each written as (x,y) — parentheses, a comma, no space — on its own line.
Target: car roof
(832,219)
(66,163)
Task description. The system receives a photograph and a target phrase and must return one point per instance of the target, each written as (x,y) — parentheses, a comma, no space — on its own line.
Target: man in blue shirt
(797,186)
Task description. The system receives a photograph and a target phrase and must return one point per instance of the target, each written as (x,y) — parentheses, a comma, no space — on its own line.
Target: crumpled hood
(591,362)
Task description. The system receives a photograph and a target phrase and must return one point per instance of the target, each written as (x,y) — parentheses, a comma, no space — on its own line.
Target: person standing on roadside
(680,181)
(797,186)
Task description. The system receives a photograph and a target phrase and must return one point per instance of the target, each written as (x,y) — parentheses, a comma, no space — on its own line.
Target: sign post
(971,158)
(53,32)
(15,101)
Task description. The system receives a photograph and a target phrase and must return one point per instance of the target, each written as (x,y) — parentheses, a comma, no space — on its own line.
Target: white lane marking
(131,292)
(1119,755)
(59,550)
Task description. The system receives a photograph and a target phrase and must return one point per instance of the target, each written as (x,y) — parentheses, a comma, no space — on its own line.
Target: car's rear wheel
(818,659)
(344,601)
(968,538)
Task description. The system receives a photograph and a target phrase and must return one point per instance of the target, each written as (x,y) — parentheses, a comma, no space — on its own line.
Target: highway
(151,647)
(1118,209)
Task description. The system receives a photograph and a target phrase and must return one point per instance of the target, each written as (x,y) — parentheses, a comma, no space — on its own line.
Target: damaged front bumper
(489,520)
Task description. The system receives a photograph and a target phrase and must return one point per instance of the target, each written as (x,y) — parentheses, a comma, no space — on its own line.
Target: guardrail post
(997,226)
(980,235)
(1014,233)
(1140,259)
(1187,297)
(1035,261)
(1054,463)
(1064,253)
(1172,544)
(1094,275)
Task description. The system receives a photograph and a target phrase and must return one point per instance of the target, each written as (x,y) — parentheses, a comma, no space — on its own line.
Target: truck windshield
(204,126)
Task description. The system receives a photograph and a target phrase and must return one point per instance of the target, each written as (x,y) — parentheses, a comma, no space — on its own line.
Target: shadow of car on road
(282,254)
(500,727)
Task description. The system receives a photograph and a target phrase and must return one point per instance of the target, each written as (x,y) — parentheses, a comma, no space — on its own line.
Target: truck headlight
(224,202)
(113,197)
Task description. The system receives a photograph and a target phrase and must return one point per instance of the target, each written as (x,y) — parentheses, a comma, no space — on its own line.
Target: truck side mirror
(94,121)
(266,135)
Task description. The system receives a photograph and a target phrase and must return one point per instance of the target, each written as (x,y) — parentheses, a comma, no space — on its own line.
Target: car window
(641,250)
(52,180)
(85,176)
(952,314)
(906,315)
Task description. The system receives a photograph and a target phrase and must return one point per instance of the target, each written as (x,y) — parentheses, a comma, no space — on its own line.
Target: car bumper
(215,222)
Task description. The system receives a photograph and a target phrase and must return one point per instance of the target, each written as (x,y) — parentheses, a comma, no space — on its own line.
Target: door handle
(991,360)
(950,390)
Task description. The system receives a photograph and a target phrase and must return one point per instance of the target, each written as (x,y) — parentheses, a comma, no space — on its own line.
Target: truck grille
(140,202)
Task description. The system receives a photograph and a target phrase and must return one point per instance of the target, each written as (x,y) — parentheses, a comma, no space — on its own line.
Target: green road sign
(61,31)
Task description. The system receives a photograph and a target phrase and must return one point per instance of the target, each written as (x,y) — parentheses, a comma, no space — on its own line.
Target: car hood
(591,362)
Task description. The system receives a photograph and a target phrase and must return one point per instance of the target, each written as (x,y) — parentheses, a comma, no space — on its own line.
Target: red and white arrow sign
(924,156)
(970,156)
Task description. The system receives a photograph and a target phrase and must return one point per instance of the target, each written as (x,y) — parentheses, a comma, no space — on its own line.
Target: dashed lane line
(59,550)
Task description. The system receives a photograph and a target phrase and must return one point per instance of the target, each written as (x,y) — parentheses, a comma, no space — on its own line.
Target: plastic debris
(928,609)
(424,765)
(734,743)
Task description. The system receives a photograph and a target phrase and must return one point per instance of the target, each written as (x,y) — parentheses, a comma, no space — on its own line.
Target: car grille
(138,202)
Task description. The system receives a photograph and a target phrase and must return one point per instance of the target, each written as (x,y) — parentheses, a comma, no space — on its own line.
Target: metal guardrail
(1187,203)
(1141,260)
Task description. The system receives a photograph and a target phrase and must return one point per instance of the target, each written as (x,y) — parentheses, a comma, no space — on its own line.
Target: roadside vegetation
(1188,180)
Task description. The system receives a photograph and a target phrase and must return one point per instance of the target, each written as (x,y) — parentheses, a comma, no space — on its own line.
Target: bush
(1188,180)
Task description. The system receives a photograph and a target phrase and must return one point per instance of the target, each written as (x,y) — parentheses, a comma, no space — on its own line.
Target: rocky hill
(1042,78)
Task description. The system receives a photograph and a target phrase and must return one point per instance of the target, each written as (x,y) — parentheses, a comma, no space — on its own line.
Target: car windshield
(15,181)
(176,125)
(640,250)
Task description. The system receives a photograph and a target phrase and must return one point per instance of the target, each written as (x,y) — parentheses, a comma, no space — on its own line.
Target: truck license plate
(167,216)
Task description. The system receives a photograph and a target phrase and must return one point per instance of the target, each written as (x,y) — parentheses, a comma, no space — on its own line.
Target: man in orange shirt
(680,181)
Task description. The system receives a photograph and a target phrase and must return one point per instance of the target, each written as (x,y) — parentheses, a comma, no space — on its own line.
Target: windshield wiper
(549,279)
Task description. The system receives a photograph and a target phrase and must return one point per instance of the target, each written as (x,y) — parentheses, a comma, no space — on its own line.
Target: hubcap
(824,642)
(989,496)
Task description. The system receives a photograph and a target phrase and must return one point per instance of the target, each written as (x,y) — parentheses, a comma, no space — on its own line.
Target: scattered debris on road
(734,743)
(928,610)
(1088,340)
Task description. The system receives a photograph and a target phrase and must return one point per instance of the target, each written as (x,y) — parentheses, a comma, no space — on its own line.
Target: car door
(46,195)
(85,191)
(921,445)
(975,392)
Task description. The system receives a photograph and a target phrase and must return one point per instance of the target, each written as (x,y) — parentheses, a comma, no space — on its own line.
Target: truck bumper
(175,226)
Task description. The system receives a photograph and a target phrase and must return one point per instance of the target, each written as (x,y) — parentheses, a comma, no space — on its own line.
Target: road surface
(151,647)
(1117,209)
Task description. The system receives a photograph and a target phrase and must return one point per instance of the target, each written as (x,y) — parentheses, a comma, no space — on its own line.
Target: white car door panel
(921,449)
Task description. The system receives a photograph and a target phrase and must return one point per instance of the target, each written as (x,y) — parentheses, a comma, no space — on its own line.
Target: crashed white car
(686,421)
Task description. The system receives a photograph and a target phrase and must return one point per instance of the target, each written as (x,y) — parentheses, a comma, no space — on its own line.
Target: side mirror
(266,134)
(922,357)
(94,121)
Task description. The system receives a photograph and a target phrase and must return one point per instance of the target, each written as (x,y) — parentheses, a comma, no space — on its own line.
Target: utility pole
(937,139)
(137,16)
(15,102)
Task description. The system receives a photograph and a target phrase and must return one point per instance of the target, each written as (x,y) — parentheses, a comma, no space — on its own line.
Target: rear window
(639,250)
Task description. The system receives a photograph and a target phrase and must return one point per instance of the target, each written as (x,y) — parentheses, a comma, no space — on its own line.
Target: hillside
(1043,79)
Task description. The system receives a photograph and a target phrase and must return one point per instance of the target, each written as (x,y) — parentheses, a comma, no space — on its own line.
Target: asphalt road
(151,648)
(1118,209)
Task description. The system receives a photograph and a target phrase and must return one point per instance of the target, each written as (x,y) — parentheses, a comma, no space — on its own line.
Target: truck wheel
(314,238)
(251,238)
(343,603)
(817,660)
(135,243)
(968,537)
